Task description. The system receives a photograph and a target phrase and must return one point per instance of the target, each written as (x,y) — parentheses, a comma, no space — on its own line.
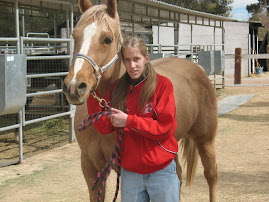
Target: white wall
(166,35)
(236,35)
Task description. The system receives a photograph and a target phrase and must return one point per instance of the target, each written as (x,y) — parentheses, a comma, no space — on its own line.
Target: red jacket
(148,143)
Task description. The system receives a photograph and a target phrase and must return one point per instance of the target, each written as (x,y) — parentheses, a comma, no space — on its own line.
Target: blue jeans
(160,186)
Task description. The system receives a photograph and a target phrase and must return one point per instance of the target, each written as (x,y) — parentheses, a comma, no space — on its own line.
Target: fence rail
(189,51)
(48,61)
(248,56)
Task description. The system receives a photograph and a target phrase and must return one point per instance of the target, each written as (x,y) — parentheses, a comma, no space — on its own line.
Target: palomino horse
(97,44)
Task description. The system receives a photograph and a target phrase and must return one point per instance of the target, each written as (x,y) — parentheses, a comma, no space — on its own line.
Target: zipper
(165,148)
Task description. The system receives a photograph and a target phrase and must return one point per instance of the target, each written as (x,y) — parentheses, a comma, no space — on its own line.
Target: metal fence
(191,52)
(46,120)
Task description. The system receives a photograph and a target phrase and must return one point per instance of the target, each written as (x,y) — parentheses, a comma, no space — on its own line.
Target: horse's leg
(90,173)
(208,157)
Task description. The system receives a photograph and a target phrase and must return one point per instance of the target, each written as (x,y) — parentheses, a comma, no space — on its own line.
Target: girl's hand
(118,118)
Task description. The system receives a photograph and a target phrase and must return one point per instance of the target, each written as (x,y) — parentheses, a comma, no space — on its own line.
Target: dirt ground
(242,145)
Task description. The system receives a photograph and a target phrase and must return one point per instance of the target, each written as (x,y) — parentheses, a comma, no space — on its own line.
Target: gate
(46,120)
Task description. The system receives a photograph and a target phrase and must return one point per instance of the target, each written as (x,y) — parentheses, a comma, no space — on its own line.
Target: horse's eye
(108,40)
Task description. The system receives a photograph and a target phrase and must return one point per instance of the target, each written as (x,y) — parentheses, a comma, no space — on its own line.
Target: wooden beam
(237,66)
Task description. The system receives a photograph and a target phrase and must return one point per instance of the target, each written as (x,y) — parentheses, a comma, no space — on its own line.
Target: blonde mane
(99,13)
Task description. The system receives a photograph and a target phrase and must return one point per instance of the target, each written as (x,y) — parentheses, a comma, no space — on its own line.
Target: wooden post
(237,66)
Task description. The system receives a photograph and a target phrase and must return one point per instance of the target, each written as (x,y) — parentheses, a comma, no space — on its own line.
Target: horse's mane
(97,13)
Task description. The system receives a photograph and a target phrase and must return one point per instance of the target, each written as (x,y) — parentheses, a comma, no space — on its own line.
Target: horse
(97,63)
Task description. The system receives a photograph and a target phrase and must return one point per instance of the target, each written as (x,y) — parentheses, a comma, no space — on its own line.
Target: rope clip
(100,100)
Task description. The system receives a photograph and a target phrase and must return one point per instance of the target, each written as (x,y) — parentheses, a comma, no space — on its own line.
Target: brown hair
(120,91)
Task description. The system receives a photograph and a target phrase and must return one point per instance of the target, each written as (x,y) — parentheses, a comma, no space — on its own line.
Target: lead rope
(115,156)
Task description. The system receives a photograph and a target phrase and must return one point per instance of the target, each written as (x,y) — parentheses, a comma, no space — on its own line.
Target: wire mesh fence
(44,36)
(43,135)
(37,138)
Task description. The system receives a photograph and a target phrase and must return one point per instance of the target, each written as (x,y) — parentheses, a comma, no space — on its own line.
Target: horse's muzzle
(75,93)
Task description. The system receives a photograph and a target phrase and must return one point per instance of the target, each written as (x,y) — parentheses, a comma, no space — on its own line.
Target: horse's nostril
(82,88)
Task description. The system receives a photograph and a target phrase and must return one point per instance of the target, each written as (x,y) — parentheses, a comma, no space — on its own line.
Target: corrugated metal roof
(147,12)
(59,5)
(183,10)
(155,12)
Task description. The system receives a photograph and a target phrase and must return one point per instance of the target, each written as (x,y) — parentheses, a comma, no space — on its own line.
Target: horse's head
(97,42)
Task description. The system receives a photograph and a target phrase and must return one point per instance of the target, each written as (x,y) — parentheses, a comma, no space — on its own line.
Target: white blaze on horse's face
(89,32)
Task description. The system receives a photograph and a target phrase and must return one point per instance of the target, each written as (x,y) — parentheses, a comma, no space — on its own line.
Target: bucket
(259,70)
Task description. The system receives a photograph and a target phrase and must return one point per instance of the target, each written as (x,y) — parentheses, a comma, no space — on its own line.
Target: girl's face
(134,62)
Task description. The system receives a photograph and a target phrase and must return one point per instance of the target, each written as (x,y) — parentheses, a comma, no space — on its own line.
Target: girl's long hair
(120,91)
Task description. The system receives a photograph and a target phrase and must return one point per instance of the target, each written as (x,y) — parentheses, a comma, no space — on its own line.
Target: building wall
(236,35)
(166,35)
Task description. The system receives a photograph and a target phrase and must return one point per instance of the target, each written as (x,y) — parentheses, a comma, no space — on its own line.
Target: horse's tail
(190,154)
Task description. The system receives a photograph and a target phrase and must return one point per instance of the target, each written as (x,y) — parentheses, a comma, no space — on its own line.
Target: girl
(143,104)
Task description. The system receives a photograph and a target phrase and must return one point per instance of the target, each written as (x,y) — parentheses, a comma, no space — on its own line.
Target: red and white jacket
(148,143)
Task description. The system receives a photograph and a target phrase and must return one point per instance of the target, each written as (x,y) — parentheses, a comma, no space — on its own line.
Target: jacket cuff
(129,123)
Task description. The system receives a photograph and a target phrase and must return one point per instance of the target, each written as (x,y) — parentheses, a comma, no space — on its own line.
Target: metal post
(159,32)
(215,81)
(223,48)
(21,44)
(67,25)
(191,44)
(215,75)
(214,38)
(160,48)
(176,31)
(132,25)
(23,23)
(178,39)
(72,135)
(191,52)
(20,137)
(55,25)
(20,117)
(17,25)
(191,34)
(55,31)
(71,19)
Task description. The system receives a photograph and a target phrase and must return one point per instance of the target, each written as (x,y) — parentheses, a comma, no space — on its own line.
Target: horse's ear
(111,7)
(84,5)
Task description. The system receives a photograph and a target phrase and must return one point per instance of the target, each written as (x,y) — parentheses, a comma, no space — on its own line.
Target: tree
(260,12)
(262,5)
(6,19)
(217,7)
(35,20)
